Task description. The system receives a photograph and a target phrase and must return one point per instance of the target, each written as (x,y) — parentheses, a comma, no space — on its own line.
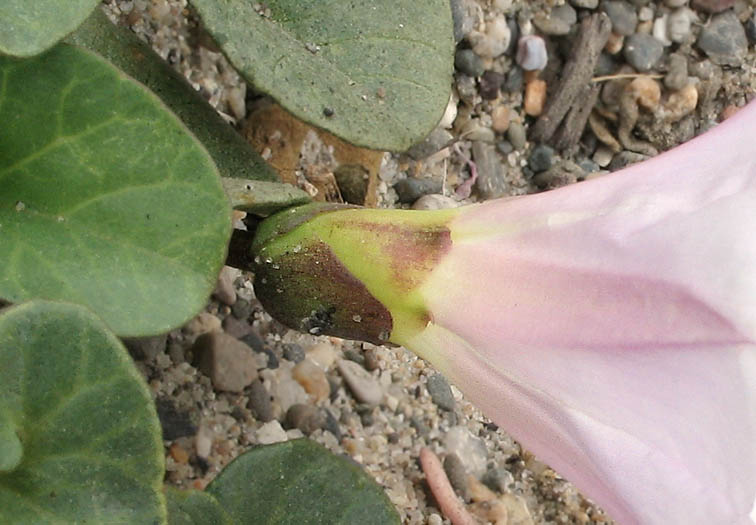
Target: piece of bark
(577,73)
(568,134)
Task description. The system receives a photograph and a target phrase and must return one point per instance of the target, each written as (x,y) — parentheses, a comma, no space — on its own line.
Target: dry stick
(594,32)
(568,134)
(442,490)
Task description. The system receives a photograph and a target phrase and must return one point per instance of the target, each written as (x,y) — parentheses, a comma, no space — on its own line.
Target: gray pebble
(678,25)
(515,81)
(622,15)
(567,172)
(750,28)
(625,158)
(514,35)
(434,201)
(588,166)
(241,309)
(306,418)
(677,72)
(363,385)
(462,19)
(236,327)
(558,22)
(352,180)
(259,401)
(229,363)
(224,287)
(466,88)
(498,479)
(331,424)
(505,147)
(419,425)
(457,474)
(438,139)
(541,158)
(412,188)
(146,348)
(354,355)
(642,51)
(516,135)
(585,4)
(175,423)
(724,39)
(293,352)
(440,392)
(176,353)
(466,61)
(606,64)
(491,182)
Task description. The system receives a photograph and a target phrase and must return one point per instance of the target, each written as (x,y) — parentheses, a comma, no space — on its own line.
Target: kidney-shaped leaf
(300,482)
(90,445)
(105,198)
(29,27)
(377,74)
(193,507)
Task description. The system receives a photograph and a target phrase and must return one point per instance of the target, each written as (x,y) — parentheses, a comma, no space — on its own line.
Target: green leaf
(377,74)
(300,482)
(28,27)
(231,153)
(192,507)
(105,199)
(92,449)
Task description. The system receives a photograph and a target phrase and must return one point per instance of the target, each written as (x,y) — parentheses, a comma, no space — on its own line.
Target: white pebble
(660,32)
(678,25)
(271,432)
(531,53)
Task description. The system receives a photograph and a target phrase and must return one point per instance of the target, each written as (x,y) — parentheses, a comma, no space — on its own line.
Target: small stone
(585,4)
(331,424)
(306,418)
(224,287)
(352,180)
(750,28)
(500,118)
(259,401)
(312,378)
(175,423)
(475,131)
(462,19)
(541,158)
(588,166)
(203,442)
(563,174)
(364,387)
(498,479)
(622,15)
(466,89)
(146,348)
(241,309)
(205,322)
(677,72)
(531,53)
(270,433)
(293,352)
(614,43)
(558,22)
(645,14)
(489,85)
(516,135)
(438,139)
(535,97)
(603,156)
(723,39)
(176,353)
(470,449)
(412,188)
(494,41)
(491,182)
(236,327)
(680,103)
(433,201)
(447,121)
(322,354)
(515,81)
(660,31)
(678,25)
(466,61)
(229,363)
(179,454)
(712,6)
(624,159)
(675,3)
(643,51)
(354,355)
(517,509)
(440,392)
(457,474)
(505,147)
(419,425)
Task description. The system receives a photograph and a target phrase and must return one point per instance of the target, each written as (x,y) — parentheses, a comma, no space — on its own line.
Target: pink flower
(610,326)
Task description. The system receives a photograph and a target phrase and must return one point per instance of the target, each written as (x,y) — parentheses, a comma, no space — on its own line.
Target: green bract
(105,198)
(28,27)
(79,422)
(377,74)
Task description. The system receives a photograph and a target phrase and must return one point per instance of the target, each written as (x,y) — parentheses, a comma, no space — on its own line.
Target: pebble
(643,51)
(236,327)
(505,147)
(603,156)
(558,22)
(447,121)
(677,72)
(331,424)
(255,342)
(645,14)
(146,348)
(541,158)
(419,425)
(535,97)
(306,418)
(179,454)
(352,180)
(224,287)
(230,364)
(712,6)
(466,61)
(293,352)
(675,3)
(204,323)
(614,43)
(680,103)
(457,474)
(466,89)
(470,449)
(491,182)
(364,387)
(678,25)
(515,81)
(660,31)
(241,309)
(516,135)
(462,19)
(322,354)
(412,188)
(624,159)
(489,85)
(271,432)
(494,41)
(473,130)
(175,423)
(440,392)
(438,139)
(433,201)
(723,39)
(622,15)
(286,392)
(259,401)
(500,116)
(531,53)
(585,4)
(498,479)
(203,442)
(313,379)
